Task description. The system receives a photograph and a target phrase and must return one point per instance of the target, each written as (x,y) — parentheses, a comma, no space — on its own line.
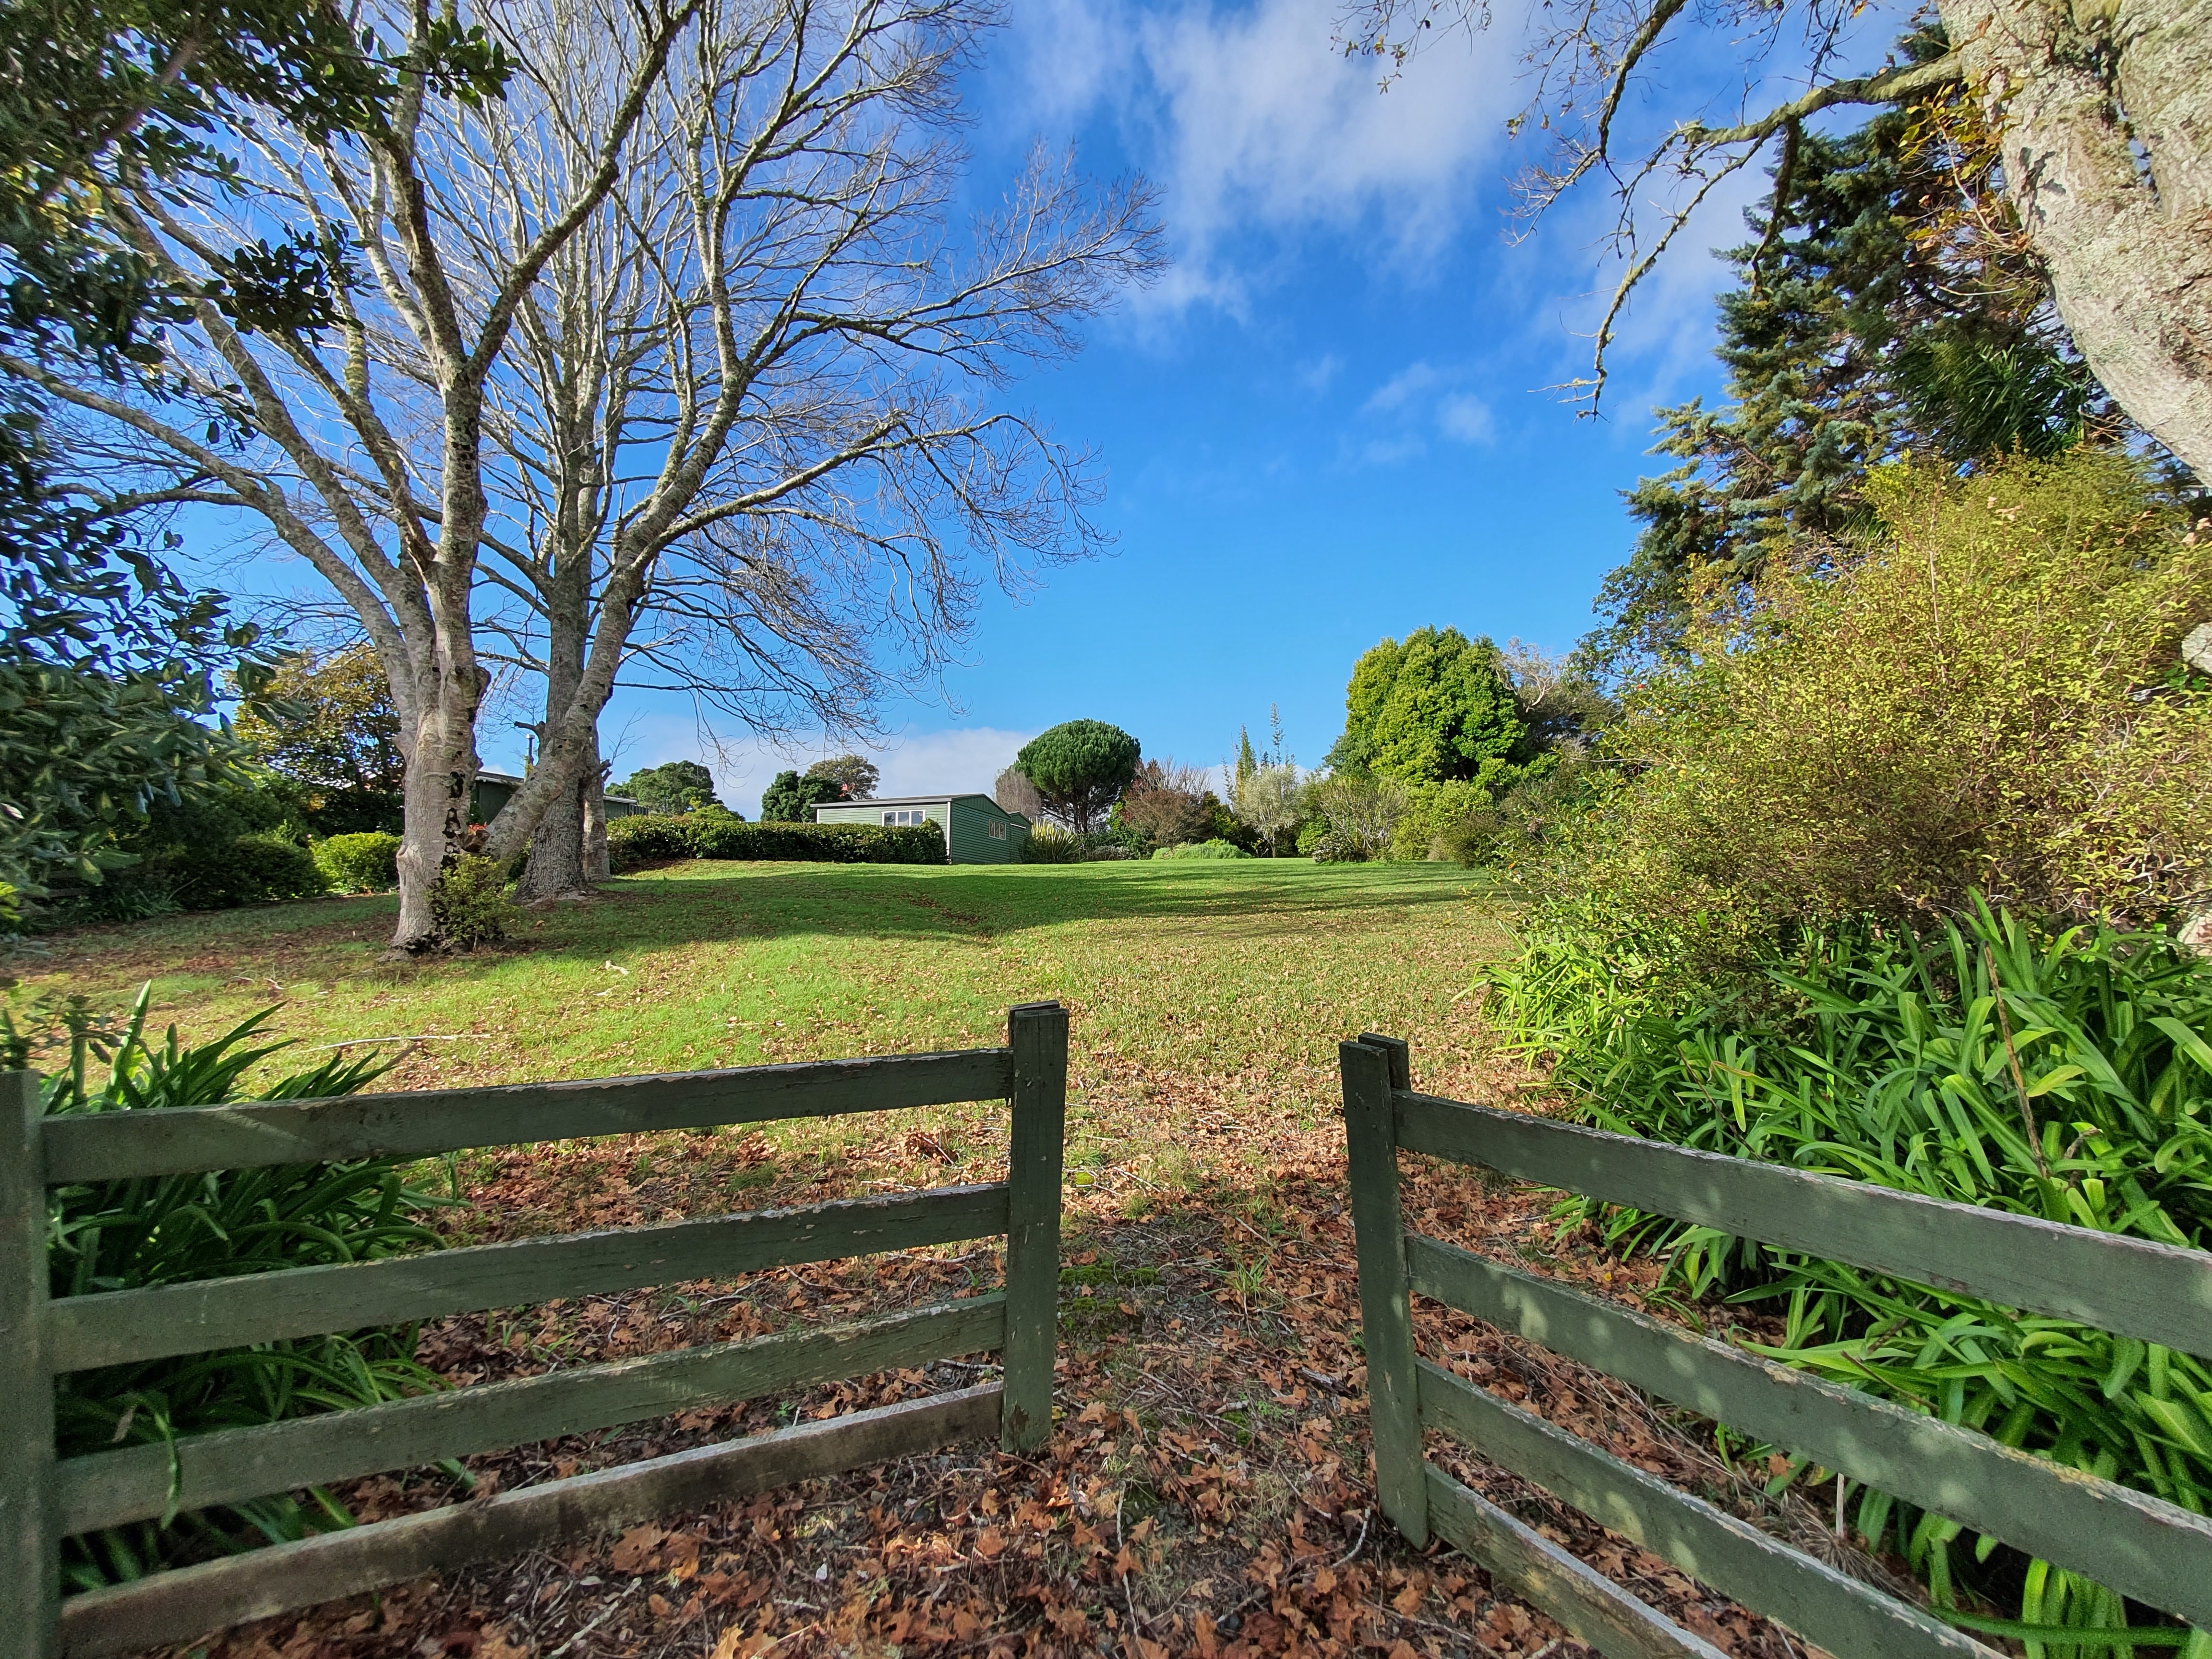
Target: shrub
(647,839)
(636,841)
(1358,813)
(1047,843)
(364,863)
(469,902)
(1203,849)
(1877,1056)
(249,870)
(122,1235)
(1989,697)
(1166,804)
(1437,816)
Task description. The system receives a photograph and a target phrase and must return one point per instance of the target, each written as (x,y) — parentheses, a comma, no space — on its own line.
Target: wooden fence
(43,1499)
(2152,1551)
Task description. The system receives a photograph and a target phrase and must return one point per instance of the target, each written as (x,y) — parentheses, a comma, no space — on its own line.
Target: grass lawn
(1190,982)
(1207,1489)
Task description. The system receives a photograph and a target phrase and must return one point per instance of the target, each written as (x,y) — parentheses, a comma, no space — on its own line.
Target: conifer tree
(1888,305)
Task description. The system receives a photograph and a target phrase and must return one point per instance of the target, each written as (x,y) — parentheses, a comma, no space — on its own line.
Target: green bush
(634,841)
(470,904)
(1437,815)
(236,842)
(1203,849)
(368,862)
(1879,1056)
(125,1234)
(1047,843)
(1989,697)
(253,869)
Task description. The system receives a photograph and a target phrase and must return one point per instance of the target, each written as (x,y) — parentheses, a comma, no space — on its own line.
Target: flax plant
(129,1234)
(2065,1075)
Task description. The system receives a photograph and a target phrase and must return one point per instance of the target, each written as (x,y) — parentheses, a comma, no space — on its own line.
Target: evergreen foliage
(1079,769)
(635,842)
(791,799)
(1888,306)
(674,788)
(856,775)
(1436,707)
(366,862)
(327,723)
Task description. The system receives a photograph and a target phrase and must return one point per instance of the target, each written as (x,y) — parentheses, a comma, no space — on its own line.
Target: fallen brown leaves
(1205,1491)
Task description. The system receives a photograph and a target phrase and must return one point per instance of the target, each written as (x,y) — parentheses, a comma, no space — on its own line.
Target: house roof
(485,775)
(926,801)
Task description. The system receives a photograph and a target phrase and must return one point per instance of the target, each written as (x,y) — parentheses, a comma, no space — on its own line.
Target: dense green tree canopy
(791,799)
(856,775)
(673,787)
(1080,769)
(1435,708)
(329,725)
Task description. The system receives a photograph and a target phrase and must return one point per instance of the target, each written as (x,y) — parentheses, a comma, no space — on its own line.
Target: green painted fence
(2143,1546)
(44,1499)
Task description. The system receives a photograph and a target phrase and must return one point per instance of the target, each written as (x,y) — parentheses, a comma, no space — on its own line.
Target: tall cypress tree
(1888,305)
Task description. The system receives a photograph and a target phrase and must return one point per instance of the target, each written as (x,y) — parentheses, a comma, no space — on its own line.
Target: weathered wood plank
(115,1146)
(1037,1032)
(30,1564)
(2158,1292)
(2137,1544)
(107,1489)
(1385,1325)
(1848,1619)
(88,1331)
(1591,1606)
(190,1601)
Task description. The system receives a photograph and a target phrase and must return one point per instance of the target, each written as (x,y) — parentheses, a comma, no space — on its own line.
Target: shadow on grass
(707,903)
(698,901)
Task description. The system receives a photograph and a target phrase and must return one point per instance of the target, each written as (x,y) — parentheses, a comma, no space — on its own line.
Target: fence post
(1370,1068)
(1037,1033)
(30,1554)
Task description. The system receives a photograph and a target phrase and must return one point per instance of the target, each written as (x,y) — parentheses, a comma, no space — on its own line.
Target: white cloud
(1465,418)
(1250,118)
(1395,421)
(1319,374)
(1400,388)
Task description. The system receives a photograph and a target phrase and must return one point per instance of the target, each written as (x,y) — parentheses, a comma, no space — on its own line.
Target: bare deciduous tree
(1167,802)
(1014,792)
(2105,112)
(670,360)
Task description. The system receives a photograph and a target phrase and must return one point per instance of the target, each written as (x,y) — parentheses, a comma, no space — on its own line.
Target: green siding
(970,840)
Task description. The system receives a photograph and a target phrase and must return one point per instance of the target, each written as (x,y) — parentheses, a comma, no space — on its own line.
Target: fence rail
(2141,1546)
(44,1499)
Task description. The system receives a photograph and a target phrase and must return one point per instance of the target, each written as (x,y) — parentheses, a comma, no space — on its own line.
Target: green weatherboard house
(977,830)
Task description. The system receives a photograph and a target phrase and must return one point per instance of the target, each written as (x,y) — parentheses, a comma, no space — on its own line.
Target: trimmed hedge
(642,839)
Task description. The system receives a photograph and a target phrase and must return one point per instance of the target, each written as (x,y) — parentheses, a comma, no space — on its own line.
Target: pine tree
(1889,306)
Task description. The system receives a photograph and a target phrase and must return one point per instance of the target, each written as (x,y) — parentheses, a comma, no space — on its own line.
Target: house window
(906,816)
(997,830)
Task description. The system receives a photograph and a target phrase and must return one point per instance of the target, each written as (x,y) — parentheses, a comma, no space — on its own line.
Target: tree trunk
(556,870)
(441,776)
(598,866)
(2106,118)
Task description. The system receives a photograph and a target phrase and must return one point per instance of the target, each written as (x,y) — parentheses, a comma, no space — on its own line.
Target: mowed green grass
(1243,973)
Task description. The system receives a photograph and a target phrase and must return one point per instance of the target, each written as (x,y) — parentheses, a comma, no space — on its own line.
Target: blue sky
(1325,424)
